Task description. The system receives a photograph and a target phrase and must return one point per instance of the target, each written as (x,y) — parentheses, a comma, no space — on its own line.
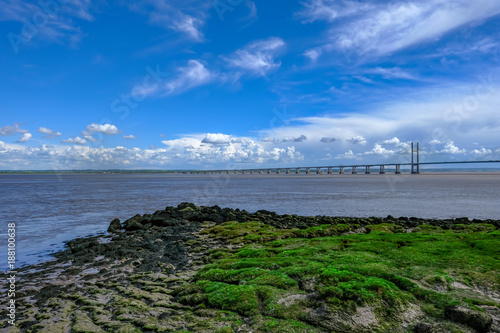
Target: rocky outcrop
(480,321)
(212,269)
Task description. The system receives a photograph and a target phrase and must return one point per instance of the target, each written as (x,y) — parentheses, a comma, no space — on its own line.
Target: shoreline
(146,274)
(195,173)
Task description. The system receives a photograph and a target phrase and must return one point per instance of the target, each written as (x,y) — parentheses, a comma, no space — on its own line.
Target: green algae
(280,274)
(386,269)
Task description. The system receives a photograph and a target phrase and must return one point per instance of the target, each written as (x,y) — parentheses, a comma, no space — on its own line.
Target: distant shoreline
(197,172)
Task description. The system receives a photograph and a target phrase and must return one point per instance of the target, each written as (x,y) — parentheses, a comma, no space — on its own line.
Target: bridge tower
(413,171)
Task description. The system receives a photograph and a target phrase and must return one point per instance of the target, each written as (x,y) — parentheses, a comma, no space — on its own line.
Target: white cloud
(189,25)
(357,140)
(11,130)
(49,134)
(25,137)
(379,150)
(184,16)
(391,73)
(217,139)
(386,27)
(313,54)
(329,10)
(59,25)
(129,137)
(106,129)
(193,75)
(397,143)
(257,58)
(450,148)
(349,155)
(301,138)
(482,152)
(76,140)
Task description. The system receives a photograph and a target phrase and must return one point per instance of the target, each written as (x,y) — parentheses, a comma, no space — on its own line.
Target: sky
(228,84)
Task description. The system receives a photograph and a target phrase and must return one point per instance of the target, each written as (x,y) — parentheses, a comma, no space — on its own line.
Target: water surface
(51,209)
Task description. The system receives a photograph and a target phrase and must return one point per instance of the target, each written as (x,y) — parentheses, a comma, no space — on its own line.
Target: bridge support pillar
(308,171)
(260,172)
(382,169)
(287,171)
(278,171)
(354,170)
(341,171)
(269,172)
(367,170)
(318,171)
(330,171)
(398,169)
(298,171)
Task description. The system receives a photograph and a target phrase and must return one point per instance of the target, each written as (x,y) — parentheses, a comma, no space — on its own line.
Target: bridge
(341,169)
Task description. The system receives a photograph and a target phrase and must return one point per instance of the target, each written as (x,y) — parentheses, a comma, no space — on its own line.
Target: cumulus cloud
(379,150)
(301,138)
(269,140)
(328,140)
(11,130)
(357,140)
(49,134)
(25,137)
(129,137)
(349,155)
(450,148)
(482,152)
(217,139)
(257,58)
(76,140)
(397,143)
(106,129)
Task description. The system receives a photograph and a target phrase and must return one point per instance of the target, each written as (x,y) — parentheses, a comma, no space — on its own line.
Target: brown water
(50,209)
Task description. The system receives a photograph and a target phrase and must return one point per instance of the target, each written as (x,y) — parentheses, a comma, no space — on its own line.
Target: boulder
(423,328)
(134,225)
(115,225)
(480,321)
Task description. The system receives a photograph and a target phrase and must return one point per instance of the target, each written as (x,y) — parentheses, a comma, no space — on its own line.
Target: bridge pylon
(413,169)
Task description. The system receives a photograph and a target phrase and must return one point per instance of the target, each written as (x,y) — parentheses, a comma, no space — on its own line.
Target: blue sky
(239,84)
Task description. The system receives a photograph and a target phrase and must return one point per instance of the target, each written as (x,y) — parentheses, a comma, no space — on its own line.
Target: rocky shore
(208,269)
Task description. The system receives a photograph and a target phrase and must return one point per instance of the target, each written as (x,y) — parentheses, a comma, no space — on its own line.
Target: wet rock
(478,320)
(115,225)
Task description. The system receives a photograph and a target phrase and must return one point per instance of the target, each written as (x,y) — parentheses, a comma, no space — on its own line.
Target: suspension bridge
(381,168)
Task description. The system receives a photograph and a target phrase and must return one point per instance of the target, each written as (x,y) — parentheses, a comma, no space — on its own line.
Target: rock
(423,328)
(134,225)
(115,225)
(136,218)
(478,320)
(184,205)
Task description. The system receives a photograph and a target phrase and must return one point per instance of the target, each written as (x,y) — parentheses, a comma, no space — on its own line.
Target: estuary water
(51,209)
